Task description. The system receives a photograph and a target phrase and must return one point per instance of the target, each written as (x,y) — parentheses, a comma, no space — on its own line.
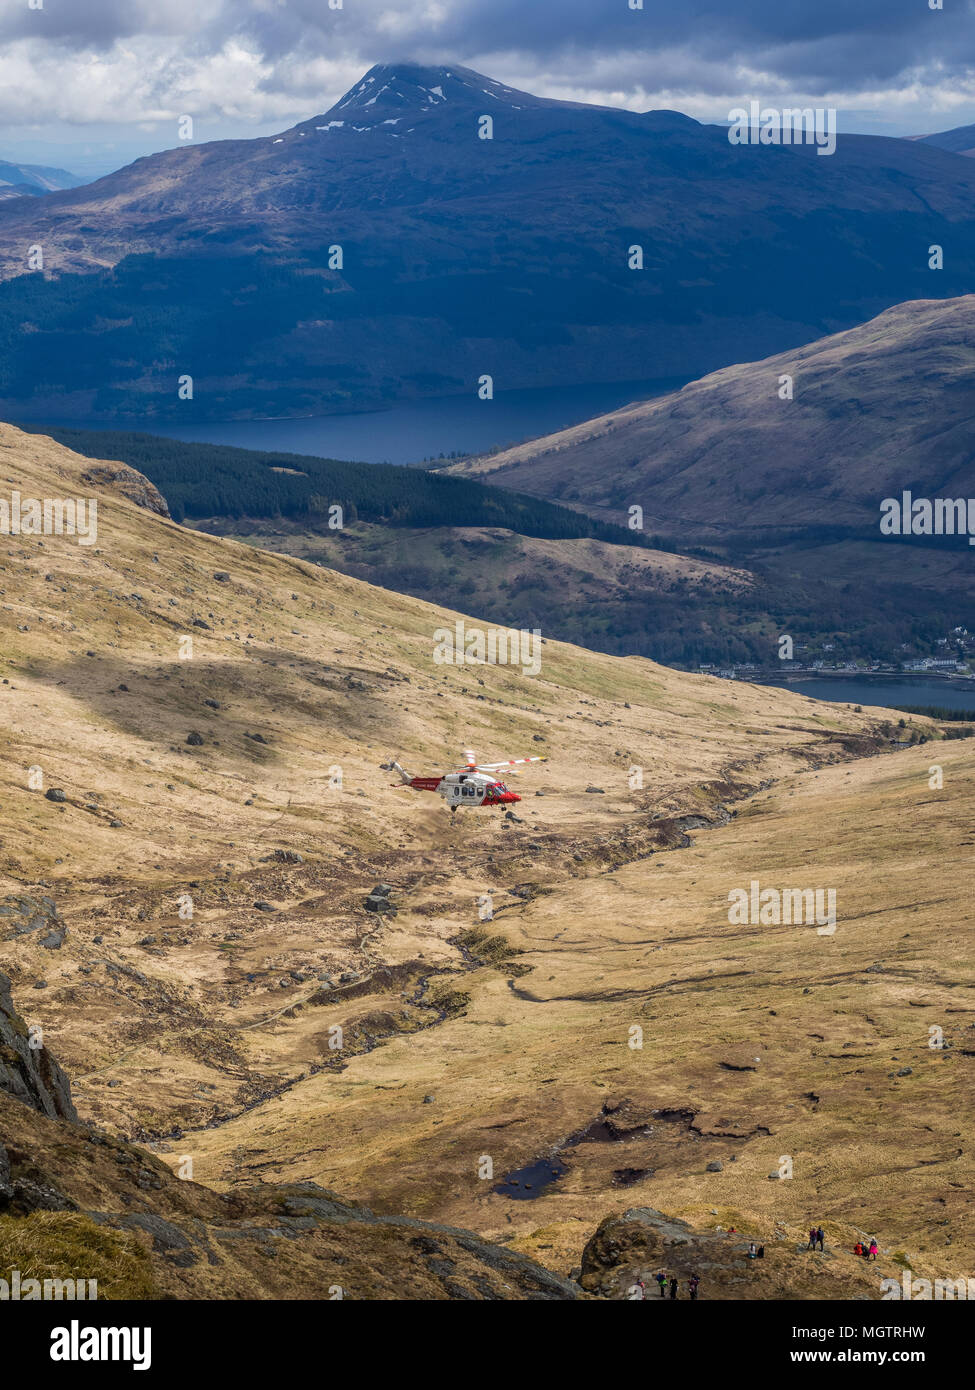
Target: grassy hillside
(790,489)
(617,599)
(597,583)
(209,1034)
(883,407)
(524,561)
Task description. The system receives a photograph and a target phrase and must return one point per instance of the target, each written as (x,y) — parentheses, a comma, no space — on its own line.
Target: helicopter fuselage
(460,789)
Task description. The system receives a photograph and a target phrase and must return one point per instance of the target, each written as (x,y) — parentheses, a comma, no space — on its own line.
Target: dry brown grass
(57,1245)
(222,1021)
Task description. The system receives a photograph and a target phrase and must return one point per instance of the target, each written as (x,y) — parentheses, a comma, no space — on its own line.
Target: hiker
(812,1238)
(821,1237)
(661,1279)
(642,1287)
(872,1252)
(858,1249)
(673,1287)
(752,1251)
(692,1284)
(760,1255)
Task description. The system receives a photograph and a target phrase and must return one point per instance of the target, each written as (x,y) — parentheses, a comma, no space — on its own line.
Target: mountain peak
(392,94)
(412,89)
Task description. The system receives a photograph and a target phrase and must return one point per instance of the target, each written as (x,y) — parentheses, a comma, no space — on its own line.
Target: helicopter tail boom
(393,766)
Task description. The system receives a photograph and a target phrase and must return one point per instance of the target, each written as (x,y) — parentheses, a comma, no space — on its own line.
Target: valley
(755,515)
(185,919)
(437,428)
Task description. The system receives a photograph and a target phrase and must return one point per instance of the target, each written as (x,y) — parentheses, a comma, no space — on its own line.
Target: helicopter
(474,784)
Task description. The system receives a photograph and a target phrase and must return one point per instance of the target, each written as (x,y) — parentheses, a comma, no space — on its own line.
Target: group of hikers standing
(866,1248)
(673,1283)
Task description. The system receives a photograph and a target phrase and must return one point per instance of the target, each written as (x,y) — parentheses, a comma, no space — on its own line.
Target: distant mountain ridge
(19,180)
(961,140)
(790,489)
(384,251)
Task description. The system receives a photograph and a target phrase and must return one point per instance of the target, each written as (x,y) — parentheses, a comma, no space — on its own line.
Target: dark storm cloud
(100,23)
(856,44)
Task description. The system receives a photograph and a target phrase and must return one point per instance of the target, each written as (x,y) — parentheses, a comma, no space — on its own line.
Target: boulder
(639,1239)
(379,900)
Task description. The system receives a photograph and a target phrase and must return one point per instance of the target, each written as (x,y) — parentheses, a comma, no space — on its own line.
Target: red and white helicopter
(474,784)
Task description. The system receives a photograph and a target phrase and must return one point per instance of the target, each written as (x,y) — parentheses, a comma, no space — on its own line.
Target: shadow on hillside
(258,703)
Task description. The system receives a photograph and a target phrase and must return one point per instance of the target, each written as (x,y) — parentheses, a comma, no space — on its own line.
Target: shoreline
(957,682)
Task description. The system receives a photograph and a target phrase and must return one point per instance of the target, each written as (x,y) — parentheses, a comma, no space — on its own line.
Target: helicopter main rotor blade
(511,762)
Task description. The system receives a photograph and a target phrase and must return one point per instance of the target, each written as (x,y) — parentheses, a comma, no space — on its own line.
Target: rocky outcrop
(642,1242)
(638,1244)
(20,916)
(23,913)
(6,1186)
(127,482)
(192,1242)
(631,1246)
(28,1072)
(127,1217)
